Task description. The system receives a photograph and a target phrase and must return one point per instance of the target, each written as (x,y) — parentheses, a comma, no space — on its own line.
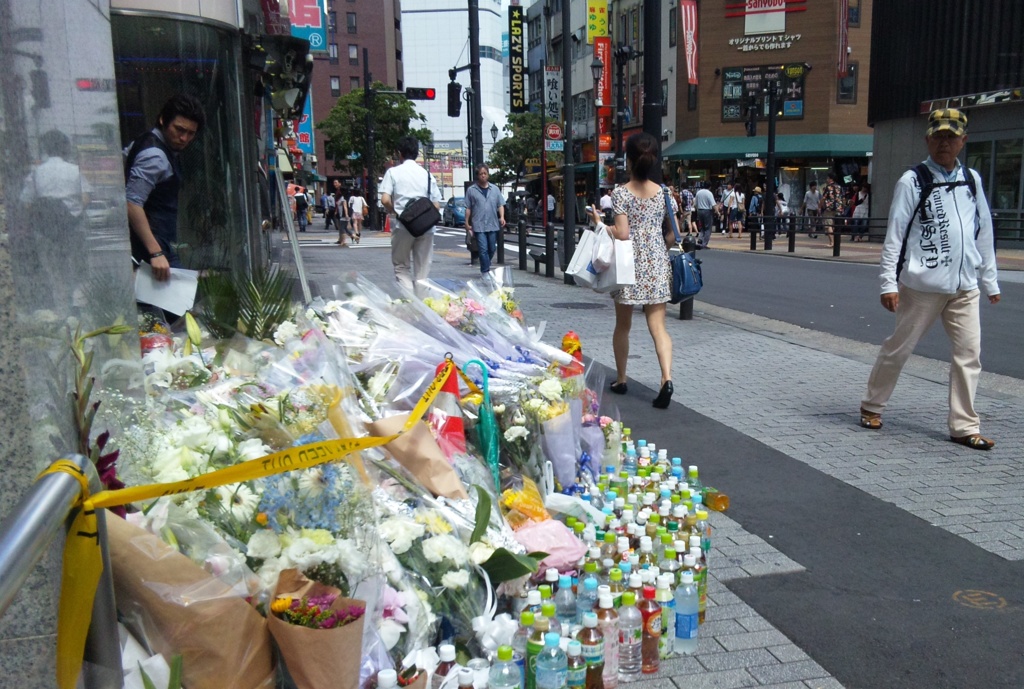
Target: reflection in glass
(1006,181)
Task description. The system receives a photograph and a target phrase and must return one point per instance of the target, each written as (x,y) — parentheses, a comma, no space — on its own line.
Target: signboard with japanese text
(603,52)
(309,21)
(739,84)
(597,19)
(518,101)
(550,145)
(304,131)
(553,93)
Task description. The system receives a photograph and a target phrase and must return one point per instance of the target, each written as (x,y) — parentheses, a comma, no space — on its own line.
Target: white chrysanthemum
(550,389)
(519,418)
(172,464)
(445,547)
(193,432)
(311,483)
(458,579)
(514,433)
(480,552)
(263,545)
(239,500)
(286,331)
(332,306)
(379,384)
(400,533)
(533,404)
(499,409)
(252,449)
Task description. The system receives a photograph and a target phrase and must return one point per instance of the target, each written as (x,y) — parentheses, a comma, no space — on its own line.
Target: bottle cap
(649,593)
(551,574)
(578,528)
(466,677)
(630,525)
(533,598)
(670,553)
(667,539)
(623,542)
(590,584)
(697,553)
(608,563)
(570,522)
(604,590)
(545,591)
(691,471)
(610,497)
(548,610)
(387,679)
(590,619)
(605,601)
(677,461)
(636,580)
(620,503)
(662,454)
(590,568)
(626,569)
(526,619)
(447,652)
(664,581)
(694,542)
(689,560)
(678,512)
(542,624)
(686,577)
(680,547)
(575,648)
(641,443)
(564,582)
(609,537)
(629,598)
(702,515)
(505,653)
(615,574)
(627,431)
(594,552)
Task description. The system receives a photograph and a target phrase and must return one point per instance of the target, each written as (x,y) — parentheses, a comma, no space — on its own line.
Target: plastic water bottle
(577,666)
(651,612)
(693,478)
(387,679)
(565,602)
(519,641)
(552,664)
(664,597)
(608,623)
(547,609)
(446,653)
(629,464)
(504,673)
(534,646)
(630,638)
(700,580)
(704,526)
(592,640)
(587,600)
(687,602)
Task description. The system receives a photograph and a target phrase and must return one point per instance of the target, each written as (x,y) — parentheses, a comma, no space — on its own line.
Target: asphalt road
(842,299)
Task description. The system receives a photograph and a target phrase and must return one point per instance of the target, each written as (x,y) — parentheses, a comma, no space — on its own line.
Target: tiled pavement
(797,392)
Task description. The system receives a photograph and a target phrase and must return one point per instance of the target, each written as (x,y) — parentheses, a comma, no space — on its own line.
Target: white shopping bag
(580,267)
(604,246)
(622,270)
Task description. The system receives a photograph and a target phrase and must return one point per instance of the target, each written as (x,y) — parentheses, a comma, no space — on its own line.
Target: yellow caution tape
(83,561)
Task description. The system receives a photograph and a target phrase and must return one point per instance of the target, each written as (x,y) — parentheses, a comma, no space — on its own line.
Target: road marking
(979,600)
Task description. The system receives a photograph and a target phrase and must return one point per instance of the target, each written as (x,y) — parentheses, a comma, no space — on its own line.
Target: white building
(435,39)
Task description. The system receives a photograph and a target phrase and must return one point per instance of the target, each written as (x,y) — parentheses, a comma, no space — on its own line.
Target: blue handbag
(686,274)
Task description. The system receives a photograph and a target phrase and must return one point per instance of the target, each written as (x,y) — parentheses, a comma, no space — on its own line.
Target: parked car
(98,213)
(453,214)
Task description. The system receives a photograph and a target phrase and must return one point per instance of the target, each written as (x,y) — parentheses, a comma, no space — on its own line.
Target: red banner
(844,38)
(688,14)
(603,52)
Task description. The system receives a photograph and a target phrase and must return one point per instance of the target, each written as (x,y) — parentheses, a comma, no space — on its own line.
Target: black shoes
(664,396)
(619,388)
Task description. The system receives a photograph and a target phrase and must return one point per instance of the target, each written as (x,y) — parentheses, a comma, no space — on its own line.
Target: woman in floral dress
(639,211)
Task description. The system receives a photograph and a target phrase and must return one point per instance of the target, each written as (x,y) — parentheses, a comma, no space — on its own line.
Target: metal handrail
(26,534)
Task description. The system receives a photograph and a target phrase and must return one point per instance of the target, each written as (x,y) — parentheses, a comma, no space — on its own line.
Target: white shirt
(551,202)
(407,182)
(704,200)
(606,202)
(356,204)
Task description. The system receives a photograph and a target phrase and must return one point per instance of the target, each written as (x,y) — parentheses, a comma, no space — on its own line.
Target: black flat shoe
(665,396)
(619,388)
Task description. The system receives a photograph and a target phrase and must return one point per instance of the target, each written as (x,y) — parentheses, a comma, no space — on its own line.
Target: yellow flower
(434,522)
(318,536)
(261,518)
(281,605)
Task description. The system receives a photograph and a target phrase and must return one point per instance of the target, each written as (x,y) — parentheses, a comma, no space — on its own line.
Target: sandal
(975,441)
(871,420)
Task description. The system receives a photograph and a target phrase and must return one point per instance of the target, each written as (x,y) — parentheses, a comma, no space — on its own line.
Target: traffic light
(454,99)
(420,94)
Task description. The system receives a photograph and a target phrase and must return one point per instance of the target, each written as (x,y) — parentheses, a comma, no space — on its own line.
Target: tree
(393,117)
(509,155)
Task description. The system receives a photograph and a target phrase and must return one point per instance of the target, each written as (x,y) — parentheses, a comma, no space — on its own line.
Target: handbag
(686,274)
(420,215)
(622,270)
(581,266)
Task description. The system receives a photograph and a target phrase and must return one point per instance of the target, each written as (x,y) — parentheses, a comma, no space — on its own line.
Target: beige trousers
(916,313)
(410,256)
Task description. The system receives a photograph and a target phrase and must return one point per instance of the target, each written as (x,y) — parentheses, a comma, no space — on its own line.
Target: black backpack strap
(925,182)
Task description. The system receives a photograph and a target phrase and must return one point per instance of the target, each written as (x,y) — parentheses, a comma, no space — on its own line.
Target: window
(846,87)
(1006,181)
(664,97)
(350,21)
(691,97)
(672,29)
(353,83)
(853,14)
(332,52)
(353,54)
(332,21)
(335,86)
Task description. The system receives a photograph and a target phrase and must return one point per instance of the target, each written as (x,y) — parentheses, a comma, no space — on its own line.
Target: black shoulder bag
(420,215)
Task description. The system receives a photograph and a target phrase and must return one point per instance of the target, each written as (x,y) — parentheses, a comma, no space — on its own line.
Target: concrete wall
(58,271)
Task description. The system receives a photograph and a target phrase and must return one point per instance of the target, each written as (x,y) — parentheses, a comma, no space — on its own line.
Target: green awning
(584,167)
(786,146)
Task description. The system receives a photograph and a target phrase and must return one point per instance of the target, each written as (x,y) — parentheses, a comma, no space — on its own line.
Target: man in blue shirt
(485,216)
(153,179)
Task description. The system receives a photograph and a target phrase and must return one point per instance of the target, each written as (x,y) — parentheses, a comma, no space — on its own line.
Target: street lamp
(494,133)
(596,70)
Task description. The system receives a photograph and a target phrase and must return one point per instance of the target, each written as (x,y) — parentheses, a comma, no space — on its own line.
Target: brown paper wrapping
(179,608)
(419,453)
(318,658)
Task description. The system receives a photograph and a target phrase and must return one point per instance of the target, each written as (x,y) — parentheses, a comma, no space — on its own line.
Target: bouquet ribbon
(83,562)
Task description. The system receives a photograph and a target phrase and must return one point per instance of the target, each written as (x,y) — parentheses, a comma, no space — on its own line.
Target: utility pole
(769,196)
(652,75)
(476,121)
(623,54)
(370,185)
(569,172)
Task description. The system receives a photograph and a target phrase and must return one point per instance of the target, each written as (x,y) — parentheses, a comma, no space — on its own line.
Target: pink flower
(393,606)
(474,307)
(455,314)
(605,420)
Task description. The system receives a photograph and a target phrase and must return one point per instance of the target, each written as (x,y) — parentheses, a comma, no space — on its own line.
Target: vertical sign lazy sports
(516,61)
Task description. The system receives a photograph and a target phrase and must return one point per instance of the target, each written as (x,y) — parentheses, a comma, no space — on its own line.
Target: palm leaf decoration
(252,305)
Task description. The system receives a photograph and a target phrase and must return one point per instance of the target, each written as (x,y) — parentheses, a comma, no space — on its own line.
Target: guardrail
(26,534)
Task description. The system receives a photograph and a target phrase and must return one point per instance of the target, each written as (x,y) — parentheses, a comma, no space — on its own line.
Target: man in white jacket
(938,251)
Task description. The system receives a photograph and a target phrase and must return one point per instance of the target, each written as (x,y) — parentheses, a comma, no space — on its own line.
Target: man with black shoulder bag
(412,197)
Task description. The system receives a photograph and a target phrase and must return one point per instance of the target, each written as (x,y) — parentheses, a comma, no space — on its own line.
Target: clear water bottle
(547,609)
(664,597)
(587,600)
(577,666)
(504,673)
(630,638)
(687,602)
(565,602)
(552,664)
(629,464)
(693,478)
